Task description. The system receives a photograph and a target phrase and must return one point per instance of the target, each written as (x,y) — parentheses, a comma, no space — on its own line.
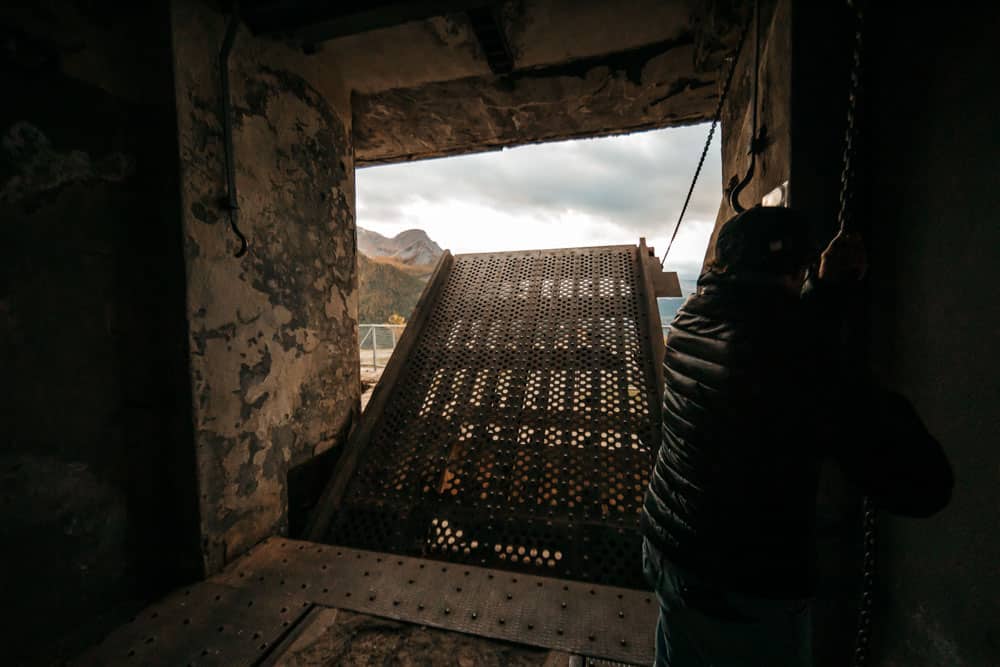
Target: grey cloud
(635,182)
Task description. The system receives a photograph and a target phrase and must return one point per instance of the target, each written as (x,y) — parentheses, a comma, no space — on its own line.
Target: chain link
(870,527)
(847,178)
(711,133)
(850,130)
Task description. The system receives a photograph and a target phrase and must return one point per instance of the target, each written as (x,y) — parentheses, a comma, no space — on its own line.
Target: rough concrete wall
(441,48)
(936,321)
(96,462)
(645,88)
(926,193)
(539,33)
(542,32)
(273,335)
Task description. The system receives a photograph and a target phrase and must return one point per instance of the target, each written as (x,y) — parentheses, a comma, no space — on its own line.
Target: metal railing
(376,343)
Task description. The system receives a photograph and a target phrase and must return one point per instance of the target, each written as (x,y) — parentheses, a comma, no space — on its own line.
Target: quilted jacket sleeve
(891,456)
(875,435)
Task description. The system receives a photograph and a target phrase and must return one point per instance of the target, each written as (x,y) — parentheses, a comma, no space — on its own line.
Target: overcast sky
(574,193)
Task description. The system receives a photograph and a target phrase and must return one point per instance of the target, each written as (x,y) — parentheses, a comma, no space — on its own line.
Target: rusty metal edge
(656,348)
(545,251)
(332,494)
(280,648)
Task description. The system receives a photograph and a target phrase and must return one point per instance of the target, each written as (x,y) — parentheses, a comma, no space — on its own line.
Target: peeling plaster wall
(273,335)
(645,88)
(98,513)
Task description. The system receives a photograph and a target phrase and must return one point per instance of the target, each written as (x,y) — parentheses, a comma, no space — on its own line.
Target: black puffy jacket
(755,398)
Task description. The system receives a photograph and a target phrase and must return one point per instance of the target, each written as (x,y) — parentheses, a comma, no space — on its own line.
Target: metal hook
(227,129)
(757,145)
(757,137)
(734,194)
(244,244)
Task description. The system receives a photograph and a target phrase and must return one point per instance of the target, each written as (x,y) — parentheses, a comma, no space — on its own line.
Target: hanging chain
(847,178)
(711,133)
(869,527)
(850,130)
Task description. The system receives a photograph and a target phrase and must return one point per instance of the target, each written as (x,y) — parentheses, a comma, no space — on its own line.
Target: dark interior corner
(98,466)
(306,482)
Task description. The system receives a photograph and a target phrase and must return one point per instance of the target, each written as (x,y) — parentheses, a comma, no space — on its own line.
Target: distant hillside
(422,271)
(392,272)
(384,289)
(410,247)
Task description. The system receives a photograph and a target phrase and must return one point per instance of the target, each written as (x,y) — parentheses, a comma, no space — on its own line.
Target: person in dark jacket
(758,392)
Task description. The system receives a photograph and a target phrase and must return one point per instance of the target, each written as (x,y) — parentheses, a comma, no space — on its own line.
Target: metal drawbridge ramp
(512,435)
(516,424)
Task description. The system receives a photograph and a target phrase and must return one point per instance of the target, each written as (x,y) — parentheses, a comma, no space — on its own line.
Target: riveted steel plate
(206,624)
(521,431)
(575,617)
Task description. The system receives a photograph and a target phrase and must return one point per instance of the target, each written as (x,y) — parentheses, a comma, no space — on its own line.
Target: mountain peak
(412,246)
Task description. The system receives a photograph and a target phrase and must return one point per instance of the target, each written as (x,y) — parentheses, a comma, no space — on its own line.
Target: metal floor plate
(238,616)
(589,619)
(206,624)
(520,429)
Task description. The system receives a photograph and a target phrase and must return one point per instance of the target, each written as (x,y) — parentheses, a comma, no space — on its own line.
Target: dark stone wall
(819,68)
(932,208)
(273,335)
(927,193)
(98,510)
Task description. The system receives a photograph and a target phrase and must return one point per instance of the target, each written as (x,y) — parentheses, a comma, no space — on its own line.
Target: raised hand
(844,260)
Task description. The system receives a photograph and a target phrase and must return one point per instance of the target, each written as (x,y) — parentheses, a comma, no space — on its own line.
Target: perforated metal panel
(520,433)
